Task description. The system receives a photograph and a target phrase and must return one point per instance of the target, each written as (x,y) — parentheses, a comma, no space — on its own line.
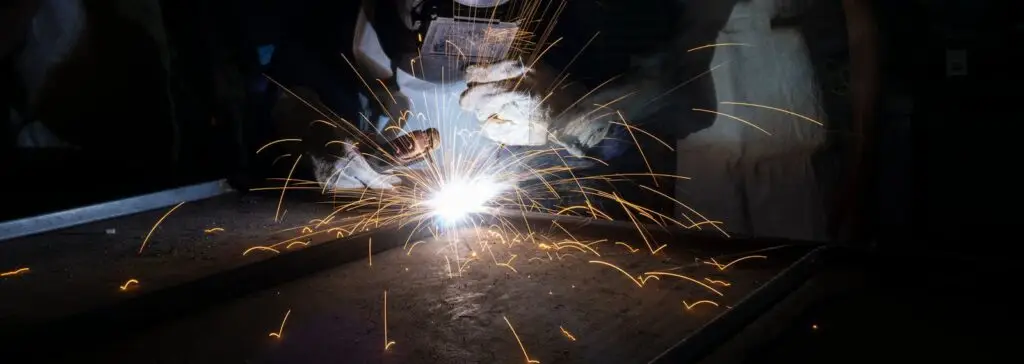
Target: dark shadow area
(898,307)
(106,104)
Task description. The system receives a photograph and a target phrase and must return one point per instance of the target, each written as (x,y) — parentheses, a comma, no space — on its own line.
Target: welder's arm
(513,102)
(521,105)
(329,147)
(392,22)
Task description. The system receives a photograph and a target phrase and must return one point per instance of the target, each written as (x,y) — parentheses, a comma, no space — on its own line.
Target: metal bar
(717,331)
(82,215)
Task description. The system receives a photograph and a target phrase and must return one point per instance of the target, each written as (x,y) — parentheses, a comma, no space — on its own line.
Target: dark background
(937,191)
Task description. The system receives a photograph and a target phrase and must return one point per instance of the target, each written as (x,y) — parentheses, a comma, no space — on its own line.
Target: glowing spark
(638,283)
(716,45)
(14,272)
(774,108)
(277,214)
(680,276)
(575,244)
(265,248)
(687,82)
(458,198)
(146,240)
(275,142)
(721,283)
(369,251)
(644,280)
(124,287)
(637,143)
(387,343)
(303,243)
(637,224)
(721,266)
(567,334)
(631,249)
(280,157)
(507,264)
(734,118)
(213,230)
(280,330)
(662,142)
(306,230)
(691,305)
(528,360)
(413,246)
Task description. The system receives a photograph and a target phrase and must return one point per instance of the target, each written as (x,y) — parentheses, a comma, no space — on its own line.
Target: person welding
(515,101)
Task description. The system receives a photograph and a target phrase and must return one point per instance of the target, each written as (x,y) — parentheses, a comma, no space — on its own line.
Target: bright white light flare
(459,198)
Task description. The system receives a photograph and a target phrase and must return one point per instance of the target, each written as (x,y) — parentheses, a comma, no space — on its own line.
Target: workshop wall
(94,72)
(87,94)
(758,170)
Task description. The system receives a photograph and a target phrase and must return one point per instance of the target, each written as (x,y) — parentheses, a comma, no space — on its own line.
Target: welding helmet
(437,39)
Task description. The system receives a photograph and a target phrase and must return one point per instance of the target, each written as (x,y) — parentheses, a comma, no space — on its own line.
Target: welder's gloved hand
(414,146)
(516,106)
(351,170)
(502,98)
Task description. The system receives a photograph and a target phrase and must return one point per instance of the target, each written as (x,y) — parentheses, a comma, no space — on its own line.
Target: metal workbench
(222,305)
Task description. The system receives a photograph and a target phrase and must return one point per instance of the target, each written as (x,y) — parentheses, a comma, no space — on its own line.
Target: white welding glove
(351,171)
(516,105)
(503,98)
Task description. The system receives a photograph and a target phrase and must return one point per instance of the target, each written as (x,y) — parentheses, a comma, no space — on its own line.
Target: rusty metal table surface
(82,267)
(563,305)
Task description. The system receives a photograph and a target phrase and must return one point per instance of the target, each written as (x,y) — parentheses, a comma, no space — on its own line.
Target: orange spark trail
(146,240)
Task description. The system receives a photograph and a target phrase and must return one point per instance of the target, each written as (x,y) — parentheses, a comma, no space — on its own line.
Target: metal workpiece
(111,209)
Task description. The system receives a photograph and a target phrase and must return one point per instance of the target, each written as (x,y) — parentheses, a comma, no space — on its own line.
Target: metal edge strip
(111,209)
(702,342)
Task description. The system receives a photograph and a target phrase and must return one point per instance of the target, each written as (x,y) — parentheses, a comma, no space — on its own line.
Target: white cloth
(759,184)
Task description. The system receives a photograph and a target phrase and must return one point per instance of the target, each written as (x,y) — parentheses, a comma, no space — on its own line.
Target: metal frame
(106,210)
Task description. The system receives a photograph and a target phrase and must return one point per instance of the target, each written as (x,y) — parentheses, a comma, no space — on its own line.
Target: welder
(587,118)
(515,102)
